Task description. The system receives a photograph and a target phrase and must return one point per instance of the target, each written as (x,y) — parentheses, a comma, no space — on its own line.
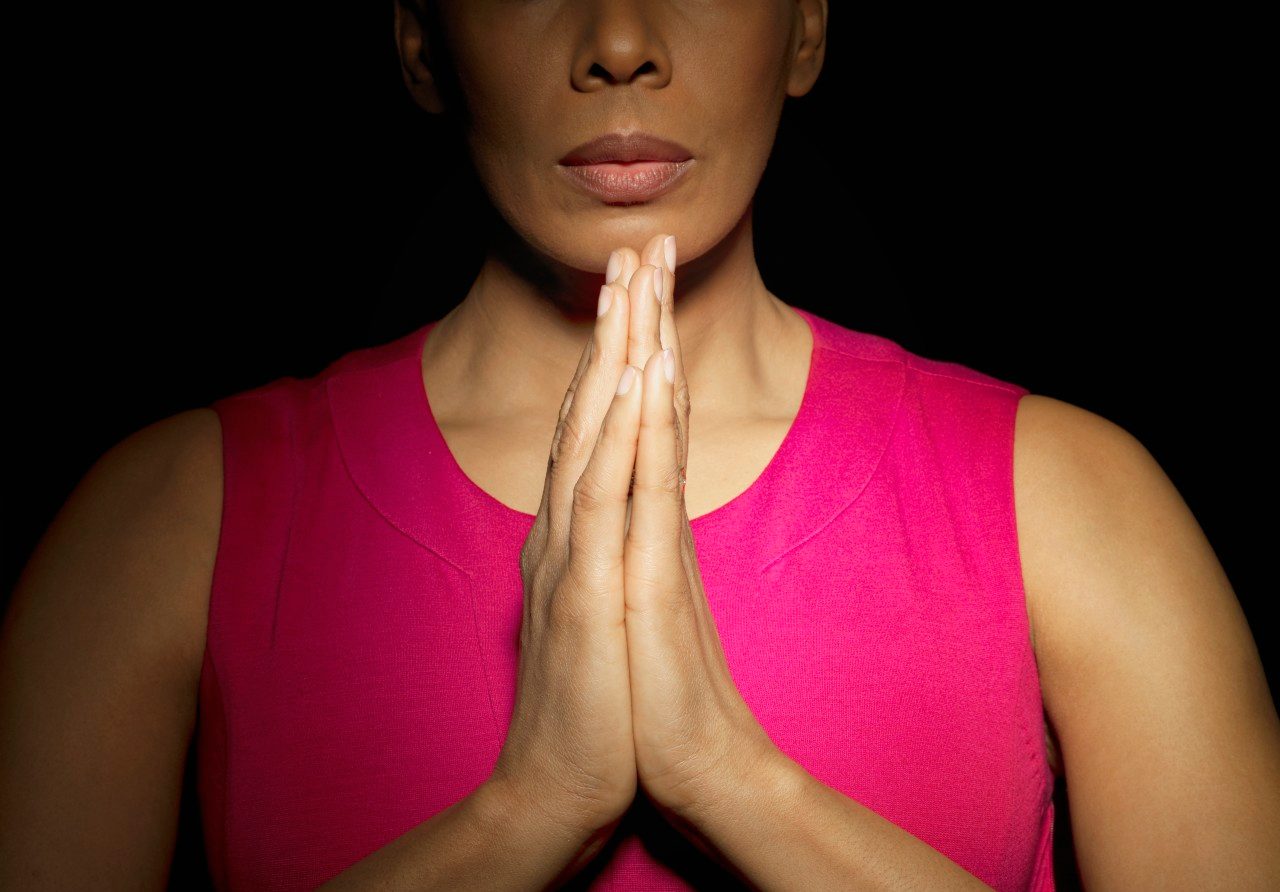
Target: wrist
(505,802)
(529,823)
(766,776)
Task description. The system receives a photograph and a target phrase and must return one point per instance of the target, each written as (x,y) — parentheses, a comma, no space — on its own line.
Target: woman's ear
(810,48)
(415,60)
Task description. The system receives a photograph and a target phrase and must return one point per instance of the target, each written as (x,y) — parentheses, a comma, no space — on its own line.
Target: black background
(1069,199)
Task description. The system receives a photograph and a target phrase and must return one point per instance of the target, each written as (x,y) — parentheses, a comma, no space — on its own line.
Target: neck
(527,323)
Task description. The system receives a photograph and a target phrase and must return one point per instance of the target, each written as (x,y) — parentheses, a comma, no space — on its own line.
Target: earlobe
(811,48)
(415,62)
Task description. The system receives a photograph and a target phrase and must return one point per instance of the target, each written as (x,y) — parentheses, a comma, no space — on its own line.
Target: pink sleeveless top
(360,665)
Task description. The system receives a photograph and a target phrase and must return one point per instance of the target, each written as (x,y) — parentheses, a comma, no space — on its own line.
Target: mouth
(626,168)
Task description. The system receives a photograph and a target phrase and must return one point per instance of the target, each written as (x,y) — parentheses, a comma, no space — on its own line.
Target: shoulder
(168,471)
(155,499)
(123,570)
(175,451)
(1052,429)
(1066,454)
(1085,489)
(164,476)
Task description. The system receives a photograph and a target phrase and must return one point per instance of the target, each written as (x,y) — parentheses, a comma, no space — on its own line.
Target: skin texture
(1170,739)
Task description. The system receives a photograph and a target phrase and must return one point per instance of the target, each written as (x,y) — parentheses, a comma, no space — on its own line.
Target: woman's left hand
(694,733)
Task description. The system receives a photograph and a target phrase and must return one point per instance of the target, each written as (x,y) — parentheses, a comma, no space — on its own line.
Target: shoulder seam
(292,421)
(1007,387)
(831,349)
(995,384)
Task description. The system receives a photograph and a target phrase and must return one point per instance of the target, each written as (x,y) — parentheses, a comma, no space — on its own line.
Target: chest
(725,457)
(509,461)
(376,687)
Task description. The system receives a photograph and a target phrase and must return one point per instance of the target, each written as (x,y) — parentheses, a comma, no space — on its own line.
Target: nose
(621,44)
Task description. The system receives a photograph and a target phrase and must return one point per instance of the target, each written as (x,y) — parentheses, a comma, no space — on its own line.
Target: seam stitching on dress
(875,466)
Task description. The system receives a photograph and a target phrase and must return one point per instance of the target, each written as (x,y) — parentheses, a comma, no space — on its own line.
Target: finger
(590,397)
(596,526)
(668,336)
(657,507)
(565,404)
(660,250)
(644,299)
(619,268)
(642,333)
(626,264)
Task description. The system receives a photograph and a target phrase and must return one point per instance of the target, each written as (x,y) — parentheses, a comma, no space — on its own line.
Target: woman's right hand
(569,749)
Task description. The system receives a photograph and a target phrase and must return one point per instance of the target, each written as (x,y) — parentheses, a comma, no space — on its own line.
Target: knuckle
(659,424)
(530,564)
(584,564)
(535,544)
(552,456)
(567,402)
(578,545)
(666,481)
(601,353)
(586,499)
(682,398)
(567,608)
(670,480)
(589,496)
(569,441)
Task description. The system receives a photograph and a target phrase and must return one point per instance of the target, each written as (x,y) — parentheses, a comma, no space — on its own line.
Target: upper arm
(1150,675)
(100,659)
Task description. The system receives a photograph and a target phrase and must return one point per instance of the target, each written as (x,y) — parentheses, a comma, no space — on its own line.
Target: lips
(620,147)
(626,168)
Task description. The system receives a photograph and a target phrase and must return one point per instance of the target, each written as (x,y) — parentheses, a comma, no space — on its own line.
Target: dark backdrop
(220,196)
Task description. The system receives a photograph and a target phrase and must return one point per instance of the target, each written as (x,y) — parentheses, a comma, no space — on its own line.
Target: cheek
(517,113)
(739,104)
(741,86)
(499,76)
(508,143)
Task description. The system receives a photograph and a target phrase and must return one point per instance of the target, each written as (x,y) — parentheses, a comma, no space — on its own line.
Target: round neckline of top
(455,469)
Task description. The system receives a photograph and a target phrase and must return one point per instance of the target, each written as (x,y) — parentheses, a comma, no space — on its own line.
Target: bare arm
(99,665)
(1151,677)
(495,838)
(100,659)
(775,826)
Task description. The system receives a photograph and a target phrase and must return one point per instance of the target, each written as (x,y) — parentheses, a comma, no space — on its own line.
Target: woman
(839,626)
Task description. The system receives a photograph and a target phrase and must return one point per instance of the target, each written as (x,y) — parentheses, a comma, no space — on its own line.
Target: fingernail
(669,245)
(615,267)
(606,299)
(669,365)
(658,282)
(628,376)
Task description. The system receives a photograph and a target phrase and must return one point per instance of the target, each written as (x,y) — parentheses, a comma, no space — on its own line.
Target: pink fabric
(360,667)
